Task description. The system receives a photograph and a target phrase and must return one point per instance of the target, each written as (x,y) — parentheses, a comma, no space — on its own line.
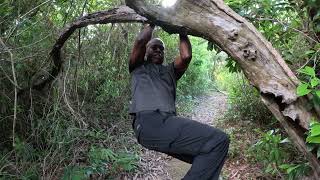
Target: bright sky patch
(168,3)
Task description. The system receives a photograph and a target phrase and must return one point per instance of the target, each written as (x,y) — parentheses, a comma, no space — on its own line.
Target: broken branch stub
(260,62)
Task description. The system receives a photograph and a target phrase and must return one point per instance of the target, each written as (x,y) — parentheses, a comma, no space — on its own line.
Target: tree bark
(260,62)
(216,22)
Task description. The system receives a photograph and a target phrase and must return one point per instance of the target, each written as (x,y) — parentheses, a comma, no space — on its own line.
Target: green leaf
(284,166)
(286,140)
(289,170)
(317,46)
(302,89)
(318,93)
(309,52)
(315,130)
(308,71)
(314,82)
(313,139)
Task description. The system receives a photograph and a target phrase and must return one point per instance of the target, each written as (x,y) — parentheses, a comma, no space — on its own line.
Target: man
(155,124)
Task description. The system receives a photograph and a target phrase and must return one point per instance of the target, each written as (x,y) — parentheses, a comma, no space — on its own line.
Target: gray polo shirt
(153,87)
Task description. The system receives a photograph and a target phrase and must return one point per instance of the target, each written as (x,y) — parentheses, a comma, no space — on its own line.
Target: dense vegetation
(79,124)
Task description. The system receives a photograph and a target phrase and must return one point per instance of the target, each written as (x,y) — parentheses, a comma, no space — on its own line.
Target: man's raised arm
(182,61)
(139,48)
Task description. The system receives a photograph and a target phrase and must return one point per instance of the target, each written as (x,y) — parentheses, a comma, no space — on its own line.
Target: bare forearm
(182,61)
(185,48)
(139,48)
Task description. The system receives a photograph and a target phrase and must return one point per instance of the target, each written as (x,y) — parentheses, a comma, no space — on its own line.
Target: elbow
(140,40)
(186,57)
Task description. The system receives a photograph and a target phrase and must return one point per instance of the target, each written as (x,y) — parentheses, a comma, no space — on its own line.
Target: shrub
(274,152)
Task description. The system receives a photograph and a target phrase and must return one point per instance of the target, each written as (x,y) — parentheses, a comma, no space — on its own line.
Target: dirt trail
(208,109)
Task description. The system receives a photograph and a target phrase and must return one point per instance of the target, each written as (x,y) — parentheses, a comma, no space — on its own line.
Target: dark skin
(155,51)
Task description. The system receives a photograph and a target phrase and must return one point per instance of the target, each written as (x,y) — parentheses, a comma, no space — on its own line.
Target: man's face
(155,51)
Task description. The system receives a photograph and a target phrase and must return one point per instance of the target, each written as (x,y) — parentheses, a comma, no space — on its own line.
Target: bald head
(155,51)
(156,41)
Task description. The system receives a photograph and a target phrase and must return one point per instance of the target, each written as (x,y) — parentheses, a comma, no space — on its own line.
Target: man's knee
(226,139)
(219,141)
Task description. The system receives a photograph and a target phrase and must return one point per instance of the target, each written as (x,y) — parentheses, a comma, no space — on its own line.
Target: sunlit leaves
(308,71)
(314,82)
(311,86)
(314,136)
(302,89)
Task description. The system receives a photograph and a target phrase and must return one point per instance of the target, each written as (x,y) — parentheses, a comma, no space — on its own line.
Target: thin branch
(66,98)
(8,77)
(20,17)
(15,92)
(34,43)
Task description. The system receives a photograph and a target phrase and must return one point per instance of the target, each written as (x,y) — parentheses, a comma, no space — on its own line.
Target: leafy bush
(313,139)
(273,151)
(103,162)
(294,171)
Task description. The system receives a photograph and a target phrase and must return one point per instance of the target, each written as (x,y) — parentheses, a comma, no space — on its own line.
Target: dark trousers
(201,145)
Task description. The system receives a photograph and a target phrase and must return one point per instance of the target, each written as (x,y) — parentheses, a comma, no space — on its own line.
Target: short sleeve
(172,71)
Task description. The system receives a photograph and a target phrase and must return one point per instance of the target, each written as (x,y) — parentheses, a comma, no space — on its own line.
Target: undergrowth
(255,135)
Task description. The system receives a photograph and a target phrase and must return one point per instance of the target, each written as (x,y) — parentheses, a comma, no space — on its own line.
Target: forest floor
(209,109)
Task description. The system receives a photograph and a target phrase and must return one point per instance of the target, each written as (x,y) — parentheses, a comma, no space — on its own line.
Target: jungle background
(79,127)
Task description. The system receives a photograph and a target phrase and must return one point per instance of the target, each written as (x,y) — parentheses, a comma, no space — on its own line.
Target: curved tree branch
(122,14)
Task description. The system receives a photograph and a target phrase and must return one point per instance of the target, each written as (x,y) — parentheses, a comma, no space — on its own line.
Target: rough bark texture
(261,63)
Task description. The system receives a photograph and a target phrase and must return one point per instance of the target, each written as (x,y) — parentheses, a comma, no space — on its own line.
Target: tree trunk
(216,22)
(260,62)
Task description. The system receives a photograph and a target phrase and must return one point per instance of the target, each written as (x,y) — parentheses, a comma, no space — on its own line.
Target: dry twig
(15,91)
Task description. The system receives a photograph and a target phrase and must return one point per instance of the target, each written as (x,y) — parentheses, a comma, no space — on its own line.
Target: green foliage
(75,173)
(244,100)
(314,8)
(233,66)
(272,152)
(313,138)
(269,151)
(314,132)
(102,162)
(311,85)
(198,78)
(294,171)
(106,161)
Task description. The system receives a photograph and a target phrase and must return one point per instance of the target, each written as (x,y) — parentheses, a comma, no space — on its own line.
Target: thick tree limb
(261,63)
(122,14)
